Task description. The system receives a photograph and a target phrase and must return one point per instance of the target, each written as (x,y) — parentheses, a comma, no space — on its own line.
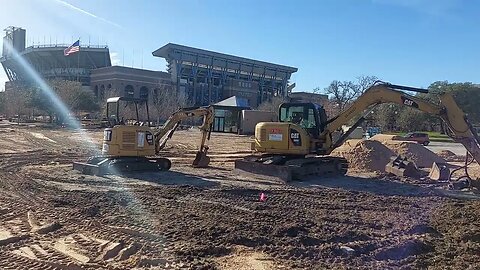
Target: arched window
(144,92)
(102,92)
(129,91)
(156,93)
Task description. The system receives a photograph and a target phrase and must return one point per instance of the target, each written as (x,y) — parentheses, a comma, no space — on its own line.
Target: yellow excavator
(134,146)
(299,143)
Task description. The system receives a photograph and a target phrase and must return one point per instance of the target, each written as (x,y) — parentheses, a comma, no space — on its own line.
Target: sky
(409,42)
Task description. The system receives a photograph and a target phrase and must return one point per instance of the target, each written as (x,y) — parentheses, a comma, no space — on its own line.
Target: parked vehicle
(372,131)
(419,137)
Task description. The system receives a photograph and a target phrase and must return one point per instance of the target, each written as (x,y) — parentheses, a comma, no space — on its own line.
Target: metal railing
(60,45)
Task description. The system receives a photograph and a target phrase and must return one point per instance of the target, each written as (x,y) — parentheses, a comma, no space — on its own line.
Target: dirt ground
(52,217)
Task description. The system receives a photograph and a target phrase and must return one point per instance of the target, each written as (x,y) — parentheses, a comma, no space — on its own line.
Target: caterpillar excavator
(299,143)
(135,146)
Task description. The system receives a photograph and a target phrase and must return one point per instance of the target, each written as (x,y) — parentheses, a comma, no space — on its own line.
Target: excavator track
(117,165)
(293,169)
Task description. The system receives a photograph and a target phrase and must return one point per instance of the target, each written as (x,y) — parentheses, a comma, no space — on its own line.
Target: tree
(467,96)
(16,102)
(74,96)
(343,93)
(272,105)
(165,101)
(410,119)
(385,116)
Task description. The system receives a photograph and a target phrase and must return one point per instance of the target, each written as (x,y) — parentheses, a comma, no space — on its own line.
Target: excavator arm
(459,128)
(166,132)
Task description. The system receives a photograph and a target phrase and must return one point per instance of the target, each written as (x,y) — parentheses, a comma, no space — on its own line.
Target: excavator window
(303,114)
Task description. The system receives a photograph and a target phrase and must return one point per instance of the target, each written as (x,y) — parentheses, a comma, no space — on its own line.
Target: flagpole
(78,60)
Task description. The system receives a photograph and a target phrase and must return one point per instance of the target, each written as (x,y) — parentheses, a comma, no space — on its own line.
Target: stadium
(204,77)
(49,60)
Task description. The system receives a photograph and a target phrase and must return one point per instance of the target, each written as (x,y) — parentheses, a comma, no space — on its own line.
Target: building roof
(307,97)
(50,62)
(233,101)
(129,70)
(128,99)
(205,57)
(308,93)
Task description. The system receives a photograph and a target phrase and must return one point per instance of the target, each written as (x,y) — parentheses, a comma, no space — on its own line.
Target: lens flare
(58,104)
(139,211)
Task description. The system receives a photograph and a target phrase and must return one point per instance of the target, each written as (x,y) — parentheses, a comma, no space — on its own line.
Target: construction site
(113,215)
(105,166)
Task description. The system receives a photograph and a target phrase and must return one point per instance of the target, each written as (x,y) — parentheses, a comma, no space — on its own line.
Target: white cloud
(114,58)
(72,7)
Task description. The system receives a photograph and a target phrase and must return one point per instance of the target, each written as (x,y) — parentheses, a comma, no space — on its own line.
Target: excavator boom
(298,144)
(137,147)
(166,132)
(459,128)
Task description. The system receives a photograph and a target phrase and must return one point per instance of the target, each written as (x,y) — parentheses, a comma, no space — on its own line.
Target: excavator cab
(127,135)
(114,113)
(310,116)
(296,133)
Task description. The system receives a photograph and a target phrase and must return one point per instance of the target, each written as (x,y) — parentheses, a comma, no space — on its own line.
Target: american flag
(75,47)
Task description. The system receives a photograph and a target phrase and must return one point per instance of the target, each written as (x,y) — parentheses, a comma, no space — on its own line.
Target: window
(101,94)
(129,91)
(144,92)
(300,115)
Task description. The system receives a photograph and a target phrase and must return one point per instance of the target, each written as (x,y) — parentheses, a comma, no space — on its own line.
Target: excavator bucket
(439,172)
(400,166)
(201,160)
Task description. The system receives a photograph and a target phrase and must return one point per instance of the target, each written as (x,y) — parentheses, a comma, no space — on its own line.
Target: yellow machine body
(281,138)
(128,141)
(304,130)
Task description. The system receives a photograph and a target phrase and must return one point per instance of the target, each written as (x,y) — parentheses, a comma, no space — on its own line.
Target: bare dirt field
(52,217)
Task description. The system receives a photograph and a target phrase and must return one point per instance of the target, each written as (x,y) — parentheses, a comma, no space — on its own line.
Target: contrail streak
(70,6)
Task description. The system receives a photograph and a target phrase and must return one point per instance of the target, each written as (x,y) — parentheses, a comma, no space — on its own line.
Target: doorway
(219,124)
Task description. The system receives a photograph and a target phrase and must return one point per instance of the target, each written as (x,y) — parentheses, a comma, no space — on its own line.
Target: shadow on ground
(171,178)
(372,185)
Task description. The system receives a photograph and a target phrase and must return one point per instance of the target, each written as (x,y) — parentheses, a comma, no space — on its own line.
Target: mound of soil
(450,156)
(415,152)
(446,154)
(365,156)
(386,138)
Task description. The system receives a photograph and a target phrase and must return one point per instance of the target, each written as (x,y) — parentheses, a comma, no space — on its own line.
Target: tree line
(394,117)
(29,102)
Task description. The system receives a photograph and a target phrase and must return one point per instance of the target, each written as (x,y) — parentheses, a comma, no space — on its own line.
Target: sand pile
(446,154)
(348,145)
(450,156)
(364,156)
(386,138)
(415,152)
